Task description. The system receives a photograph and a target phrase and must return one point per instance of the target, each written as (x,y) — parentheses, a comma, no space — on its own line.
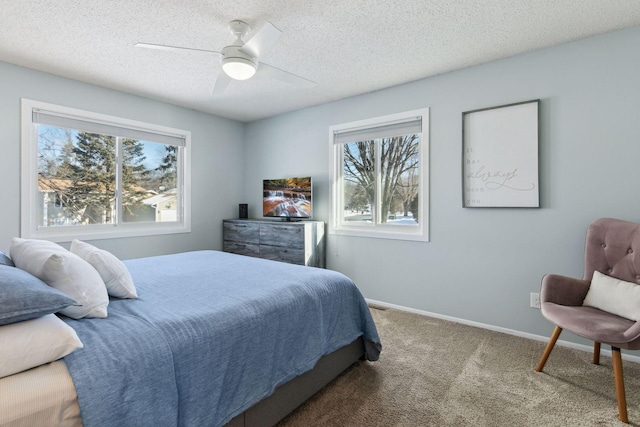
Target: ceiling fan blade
(261,41)
(285,76)
(172,48)
(222,81)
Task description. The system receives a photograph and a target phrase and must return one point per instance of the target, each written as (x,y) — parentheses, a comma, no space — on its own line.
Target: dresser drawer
(290,236)
(241,248)
(242,232)
(279,253)
(292,242)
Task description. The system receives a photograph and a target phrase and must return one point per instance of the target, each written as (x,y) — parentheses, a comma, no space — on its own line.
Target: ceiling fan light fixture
(240,60)
(239,68)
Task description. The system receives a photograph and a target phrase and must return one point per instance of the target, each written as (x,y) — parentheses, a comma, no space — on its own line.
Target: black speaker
(243,211)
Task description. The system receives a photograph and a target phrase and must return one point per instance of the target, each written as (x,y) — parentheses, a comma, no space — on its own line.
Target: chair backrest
(613,248)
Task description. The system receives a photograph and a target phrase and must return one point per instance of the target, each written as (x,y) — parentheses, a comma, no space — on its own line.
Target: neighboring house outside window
(379,177)
(87,175)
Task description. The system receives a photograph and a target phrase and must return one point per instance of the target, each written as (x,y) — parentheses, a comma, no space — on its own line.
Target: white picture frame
(500,156)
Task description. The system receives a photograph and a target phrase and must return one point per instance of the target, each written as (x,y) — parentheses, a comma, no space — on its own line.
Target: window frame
(29,227)
(337,226)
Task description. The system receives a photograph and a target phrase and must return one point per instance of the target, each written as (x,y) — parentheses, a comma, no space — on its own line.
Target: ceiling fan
(241,60)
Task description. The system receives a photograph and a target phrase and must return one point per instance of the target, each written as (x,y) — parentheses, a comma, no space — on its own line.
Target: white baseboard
(582,347)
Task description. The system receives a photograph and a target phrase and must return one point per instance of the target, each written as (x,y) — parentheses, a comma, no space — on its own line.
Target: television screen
(287,198)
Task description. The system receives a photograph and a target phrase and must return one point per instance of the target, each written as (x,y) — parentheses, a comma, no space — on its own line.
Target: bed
(213,339)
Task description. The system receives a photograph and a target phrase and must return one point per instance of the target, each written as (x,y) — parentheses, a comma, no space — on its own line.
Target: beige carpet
(437,373)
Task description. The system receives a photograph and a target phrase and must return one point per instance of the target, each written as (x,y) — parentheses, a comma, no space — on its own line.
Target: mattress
(42,396)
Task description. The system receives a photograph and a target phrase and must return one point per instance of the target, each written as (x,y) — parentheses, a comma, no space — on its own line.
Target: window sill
(67,234)
(399,233)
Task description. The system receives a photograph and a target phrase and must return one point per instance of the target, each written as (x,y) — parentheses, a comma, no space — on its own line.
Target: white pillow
(614,296)
(114,273)
(25,345)
(66,272)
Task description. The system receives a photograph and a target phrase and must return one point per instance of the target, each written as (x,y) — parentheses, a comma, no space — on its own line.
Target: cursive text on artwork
(498,179)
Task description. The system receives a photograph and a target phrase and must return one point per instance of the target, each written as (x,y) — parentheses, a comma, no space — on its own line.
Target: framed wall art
(500,156)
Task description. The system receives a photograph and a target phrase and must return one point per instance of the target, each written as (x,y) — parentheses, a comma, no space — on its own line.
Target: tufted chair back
(613,248)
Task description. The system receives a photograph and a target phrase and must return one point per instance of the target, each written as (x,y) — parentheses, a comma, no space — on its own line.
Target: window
(87,175)
(380,177)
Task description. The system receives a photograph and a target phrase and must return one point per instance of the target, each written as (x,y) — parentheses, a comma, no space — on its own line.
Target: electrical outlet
(534,300)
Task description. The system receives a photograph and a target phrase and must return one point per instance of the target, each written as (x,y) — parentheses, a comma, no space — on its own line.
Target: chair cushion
(594,324)
(614,296)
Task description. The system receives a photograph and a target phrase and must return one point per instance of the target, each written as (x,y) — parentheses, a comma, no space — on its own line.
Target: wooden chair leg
(619,380)
(547,350)
(596,353)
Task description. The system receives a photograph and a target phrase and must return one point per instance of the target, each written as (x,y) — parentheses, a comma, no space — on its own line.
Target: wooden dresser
(297,242)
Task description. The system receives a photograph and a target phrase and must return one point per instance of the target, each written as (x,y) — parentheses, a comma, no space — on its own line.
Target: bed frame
(289,396)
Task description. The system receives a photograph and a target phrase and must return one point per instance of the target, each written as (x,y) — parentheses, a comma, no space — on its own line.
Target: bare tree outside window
(381,180)
(380,177)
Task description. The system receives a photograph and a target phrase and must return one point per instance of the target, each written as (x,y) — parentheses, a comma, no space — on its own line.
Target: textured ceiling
(348,47)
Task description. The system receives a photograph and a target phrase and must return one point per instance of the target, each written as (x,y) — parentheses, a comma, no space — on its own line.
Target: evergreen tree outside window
(379,177)
(86,174)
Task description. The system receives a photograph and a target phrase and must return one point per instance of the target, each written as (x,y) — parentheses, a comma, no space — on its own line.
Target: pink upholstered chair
(611,248)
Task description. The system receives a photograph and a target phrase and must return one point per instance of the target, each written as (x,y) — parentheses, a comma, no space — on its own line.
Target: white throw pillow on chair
(614,296)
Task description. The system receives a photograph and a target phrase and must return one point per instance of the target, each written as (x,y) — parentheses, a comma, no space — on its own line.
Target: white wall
(217,155)
(481,264)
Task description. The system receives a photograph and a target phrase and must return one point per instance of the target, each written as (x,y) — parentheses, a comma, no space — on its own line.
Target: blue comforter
(210,335)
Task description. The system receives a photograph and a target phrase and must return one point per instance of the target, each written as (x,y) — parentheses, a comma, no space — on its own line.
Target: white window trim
(398,232)
(29,181)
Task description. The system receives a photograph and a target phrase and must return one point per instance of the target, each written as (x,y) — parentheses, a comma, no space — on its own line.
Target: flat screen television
(288,198)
